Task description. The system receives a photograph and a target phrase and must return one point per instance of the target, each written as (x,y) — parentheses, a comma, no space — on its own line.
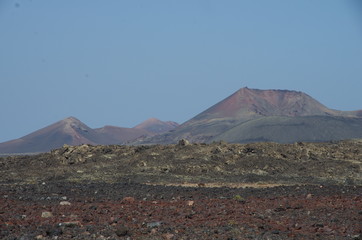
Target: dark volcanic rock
(209,164)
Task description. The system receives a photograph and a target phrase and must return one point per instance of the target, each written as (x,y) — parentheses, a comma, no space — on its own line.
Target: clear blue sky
(119,62)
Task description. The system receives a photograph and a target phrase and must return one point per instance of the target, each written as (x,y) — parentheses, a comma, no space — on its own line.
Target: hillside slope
(294,129)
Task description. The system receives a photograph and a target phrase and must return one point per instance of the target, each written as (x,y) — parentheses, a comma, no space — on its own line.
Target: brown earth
(184,191)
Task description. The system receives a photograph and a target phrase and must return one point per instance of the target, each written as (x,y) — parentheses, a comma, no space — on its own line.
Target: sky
(120,62)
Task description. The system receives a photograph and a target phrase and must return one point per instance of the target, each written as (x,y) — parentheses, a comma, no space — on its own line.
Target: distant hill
(156,126)
(251,115)
(117,135)
(72,131)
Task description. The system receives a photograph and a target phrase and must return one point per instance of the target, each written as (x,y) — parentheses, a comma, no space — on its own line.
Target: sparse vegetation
(239,198)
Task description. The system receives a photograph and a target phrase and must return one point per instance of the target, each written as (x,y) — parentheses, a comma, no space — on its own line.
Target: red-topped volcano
(247,102)
(277,108)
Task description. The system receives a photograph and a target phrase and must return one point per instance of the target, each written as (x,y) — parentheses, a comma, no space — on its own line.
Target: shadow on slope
(294,129)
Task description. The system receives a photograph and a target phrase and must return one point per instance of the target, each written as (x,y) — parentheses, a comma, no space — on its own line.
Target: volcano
(250,115)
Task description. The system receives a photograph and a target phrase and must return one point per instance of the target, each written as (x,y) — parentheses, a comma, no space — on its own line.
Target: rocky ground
(184,191)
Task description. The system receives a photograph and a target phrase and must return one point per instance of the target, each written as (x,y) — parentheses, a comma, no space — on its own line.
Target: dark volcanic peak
(250,102)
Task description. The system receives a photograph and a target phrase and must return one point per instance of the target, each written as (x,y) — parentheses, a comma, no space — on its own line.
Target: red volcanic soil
(136,211)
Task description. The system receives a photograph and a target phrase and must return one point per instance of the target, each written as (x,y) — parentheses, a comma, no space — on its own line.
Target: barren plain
(184,191)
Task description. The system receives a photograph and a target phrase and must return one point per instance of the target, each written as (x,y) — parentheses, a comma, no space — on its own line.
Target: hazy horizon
(121,62)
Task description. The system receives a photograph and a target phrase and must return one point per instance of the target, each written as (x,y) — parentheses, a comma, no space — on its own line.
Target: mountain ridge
(247,115)
(72,131)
